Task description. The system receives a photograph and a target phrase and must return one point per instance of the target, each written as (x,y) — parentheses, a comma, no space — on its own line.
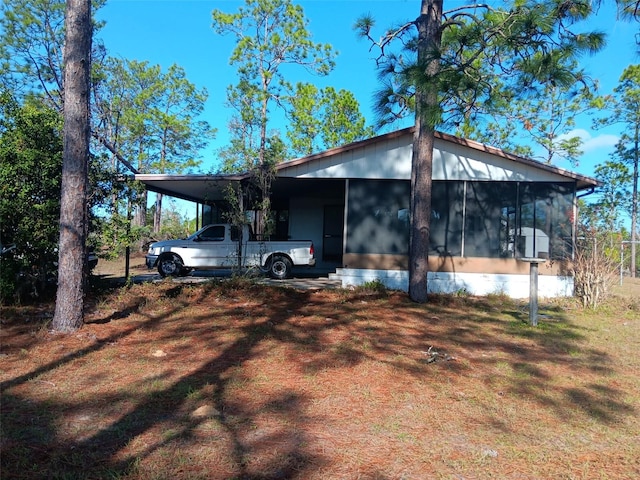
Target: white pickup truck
(217,246)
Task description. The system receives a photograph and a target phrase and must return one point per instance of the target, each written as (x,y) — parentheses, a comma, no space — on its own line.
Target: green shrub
(372,286)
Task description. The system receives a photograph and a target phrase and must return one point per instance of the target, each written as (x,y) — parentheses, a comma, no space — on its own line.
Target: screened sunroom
(475,219)
(480,232)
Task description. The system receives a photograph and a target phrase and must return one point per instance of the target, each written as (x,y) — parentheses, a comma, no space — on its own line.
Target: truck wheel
(280,268)
(170,266)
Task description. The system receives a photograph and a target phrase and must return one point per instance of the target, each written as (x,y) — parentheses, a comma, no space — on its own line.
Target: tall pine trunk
(427,111)
(73,210)
(634,205)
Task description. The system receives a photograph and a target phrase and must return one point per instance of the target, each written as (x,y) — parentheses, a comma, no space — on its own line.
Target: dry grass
(113,269)
(629,288)
(229,380)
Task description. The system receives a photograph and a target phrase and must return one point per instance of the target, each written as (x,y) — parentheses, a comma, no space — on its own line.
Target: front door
(332,233)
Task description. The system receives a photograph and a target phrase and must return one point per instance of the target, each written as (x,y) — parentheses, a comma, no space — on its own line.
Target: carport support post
(127,251)
(533,288)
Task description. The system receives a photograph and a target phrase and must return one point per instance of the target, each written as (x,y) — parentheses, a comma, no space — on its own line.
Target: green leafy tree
(324,118)
(629,10)
(270,35)
(32,35)
(544,119)
(304,119)
(444,70)
(342,121)
(179,135)
(151,117)
(174,224)
(124,95)
(623,108)
(30,174)
(31,46)
(30,163)
(114,232)
(614,196)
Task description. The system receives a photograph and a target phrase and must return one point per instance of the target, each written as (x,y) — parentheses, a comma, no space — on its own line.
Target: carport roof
(212,188)
(195,188)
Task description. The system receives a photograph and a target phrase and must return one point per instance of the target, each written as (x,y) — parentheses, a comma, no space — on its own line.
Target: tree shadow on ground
(238,325)
(99,449)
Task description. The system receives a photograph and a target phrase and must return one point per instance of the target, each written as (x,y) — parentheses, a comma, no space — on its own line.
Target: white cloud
(589,143)
(601,141)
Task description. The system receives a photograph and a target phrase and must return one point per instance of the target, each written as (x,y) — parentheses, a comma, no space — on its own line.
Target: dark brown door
(332,234)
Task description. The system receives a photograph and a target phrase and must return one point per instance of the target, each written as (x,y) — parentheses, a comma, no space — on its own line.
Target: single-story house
(490,209)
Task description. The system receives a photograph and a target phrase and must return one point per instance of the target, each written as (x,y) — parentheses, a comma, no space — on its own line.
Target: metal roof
(202,188)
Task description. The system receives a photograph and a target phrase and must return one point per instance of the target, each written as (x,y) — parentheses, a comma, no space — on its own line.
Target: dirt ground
(116,268)
(234,380)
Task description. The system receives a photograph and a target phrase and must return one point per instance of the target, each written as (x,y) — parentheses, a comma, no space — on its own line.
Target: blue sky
(165,32)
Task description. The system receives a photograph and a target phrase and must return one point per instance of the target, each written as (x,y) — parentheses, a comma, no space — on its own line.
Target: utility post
(533,288)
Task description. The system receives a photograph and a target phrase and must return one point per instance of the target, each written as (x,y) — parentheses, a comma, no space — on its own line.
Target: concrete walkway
(298,281)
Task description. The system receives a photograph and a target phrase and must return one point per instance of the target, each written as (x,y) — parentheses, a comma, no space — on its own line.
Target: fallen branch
(433,355)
